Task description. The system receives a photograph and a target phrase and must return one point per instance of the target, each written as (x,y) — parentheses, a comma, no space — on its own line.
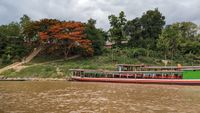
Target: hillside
(45,67)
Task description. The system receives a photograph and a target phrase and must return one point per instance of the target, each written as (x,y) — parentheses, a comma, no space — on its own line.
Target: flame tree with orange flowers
(68,35)
(63,36)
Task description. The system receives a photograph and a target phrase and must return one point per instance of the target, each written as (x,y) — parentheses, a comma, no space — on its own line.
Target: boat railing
(126,74)
(142,67)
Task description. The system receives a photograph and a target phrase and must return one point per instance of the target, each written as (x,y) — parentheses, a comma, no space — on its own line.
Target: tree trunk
(67,49)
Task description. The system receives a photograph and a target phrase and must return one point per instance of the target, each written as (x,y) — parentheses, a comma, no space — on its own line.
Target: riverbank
(48,67)
(33,79)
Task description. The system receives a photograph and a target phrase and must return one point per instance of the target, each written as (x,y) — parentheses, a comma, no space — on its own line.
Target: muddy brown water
(82,97)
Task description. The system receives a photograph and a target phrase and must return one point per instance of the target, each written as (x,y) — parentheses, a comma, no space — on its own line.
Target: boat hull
(140,81)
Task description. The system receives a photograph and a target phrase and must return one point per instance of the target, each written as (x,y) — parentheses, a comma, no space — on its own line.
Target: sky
(82,10)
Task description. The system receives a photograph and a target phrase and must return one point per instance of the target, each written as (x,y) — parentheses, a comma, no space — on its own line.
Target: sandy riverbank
(33,79)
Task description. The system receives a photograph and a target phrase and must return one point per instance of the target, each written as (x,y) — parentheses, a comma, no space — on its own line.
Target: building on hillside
(109,44)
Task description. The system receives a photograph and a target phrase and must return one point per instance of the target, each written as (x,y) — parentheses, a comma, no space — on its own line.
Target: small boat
(141,74)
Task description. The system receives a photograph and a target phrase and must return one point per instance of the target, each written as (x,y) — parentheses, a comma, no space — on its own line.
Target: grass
(60,68)
(32,71)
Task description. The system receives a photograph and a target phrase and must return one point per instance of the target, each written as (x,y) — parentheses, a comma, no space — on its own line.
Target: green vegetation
(144,39)
(145,31)
(11,43)
(46,67)
(97,36)
(117,28)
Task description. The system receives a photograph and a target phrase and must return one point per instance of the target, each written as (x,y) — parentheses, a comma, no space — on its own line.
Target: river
(82,97)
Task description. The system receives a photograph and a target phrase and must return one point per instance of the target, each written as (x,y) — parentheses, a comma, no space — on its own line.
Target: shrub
(136,52)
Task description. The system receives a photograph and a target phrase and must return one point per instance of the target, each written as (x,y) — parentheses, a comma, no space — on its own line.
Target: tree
(25,21)
(67,35)
(144,31)
(190,43)
(133,29)
(117,28)
(2,44)
(97,36)
(31,31)
(189,30)
(59,35)
(152,23)
(169,40)
(11,42)
(179,39)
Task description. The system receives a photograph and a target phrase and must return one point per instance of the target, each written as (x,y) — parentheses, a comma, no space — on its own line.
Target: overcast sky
(82,10)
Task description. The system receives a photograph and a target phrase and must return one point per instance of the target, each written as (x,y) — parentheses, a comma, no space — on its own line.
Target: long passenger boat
(127,73)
